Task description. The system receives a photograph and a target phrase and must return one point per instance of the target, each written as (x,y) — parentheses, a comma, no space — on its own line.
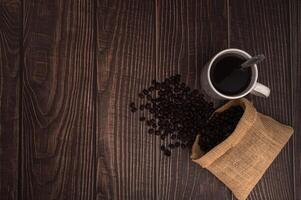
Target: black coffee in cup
(227,76)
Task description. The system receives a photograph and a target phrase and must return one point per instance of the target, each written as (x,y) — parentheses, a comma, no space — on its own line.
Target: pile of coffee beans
(219,127)
(178,114)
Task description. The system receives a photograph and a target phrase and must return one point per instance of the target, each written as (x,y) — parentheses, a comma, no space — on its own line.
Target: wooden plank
(126,155)
(58,136)
(295,25)
(190,32)
(260,26)
(10,40)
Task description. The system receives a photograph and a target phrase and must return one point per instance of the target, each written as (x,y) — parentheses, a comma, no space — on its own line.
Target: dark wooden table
(69,69)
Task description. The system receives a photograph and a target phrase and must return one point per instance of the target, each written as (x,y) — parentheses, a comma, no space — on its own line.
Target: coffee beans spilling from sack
(219,127)
(178,114)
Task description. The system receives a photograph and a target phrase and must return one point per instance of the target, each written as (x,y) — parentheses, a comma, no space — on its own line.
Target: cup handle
(261,90)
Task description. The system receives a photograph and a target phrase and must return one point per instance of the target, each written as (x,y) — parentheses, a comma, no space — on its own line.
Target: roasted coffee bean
(161,93)
(142,118)
(141,95)
(157,132)
(167,152)
(150,131)
(152,88)
(133,109)
(145,91)
(149,97)
(148,106)
(157,86)
(148,123)
(153,121)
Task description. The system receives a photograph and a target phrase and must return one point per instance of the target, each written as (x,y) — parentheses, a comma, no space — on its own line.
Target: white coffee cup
(254,87)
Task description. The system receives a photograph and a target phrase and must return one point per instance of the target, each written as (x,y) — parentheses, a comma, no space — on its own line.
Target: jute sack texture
(241,160)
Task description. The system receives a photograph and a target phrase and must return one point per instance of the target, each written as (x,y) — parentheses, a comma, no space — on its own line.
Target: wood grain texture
(127,156)
(69,69)
(189,33)
(58,100)
(260,26)
(295,39)
(10,40)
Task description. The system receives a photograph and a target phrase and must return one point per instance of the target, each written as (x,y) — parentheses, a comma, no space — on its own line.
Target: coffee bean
(149,97)
(157,86)
(133,109)
(167,152)
(141,95)
(147,105)
(148,123)
(157,132)
(152,88)
(150,131)
(141,107)
(145,91)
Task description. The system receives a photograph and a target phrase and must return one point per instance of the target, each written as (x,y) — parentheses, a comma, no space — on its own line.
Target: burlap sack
(241,159)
